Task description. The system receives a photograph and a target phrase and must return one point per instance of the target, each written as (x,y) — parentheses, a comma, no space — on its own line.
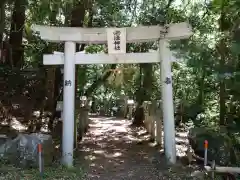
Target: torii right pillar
(167,101)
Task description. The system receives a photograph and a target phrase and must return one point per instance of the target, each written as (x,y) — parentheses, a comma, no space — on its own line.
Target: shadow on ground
(113,150)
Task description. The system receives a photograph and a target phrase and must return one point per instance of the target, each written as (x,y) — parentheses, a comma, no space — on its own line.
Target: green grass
(50,173)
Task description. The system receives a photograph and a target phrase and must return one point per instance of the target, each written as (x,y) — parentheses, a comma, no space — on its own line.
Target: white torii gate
(116,38)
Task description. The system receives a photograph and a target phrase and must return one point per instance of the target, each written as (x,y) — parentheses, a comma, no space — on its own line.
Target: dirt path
(111,151)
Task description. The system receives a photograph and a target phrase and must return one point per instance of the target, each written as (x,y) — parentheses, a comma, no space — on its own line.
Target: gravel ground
(113,150)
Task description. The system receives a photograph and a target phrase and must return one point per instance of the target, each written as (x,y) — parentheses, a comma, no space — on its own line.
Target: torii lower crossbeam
(85,59)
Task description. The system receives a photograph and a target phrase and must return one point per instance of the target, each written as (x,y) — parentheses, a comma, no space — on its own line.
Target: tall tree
(2,19)
(16,55)
(77,20)
(223,53)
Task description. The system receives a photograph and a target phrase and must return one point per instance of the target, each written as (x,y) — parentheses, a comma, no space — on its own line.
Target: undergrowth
(50,173)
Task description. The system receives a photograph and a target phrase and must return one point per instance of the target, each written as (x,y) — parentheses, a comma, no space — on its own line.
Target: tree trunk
(77,20)
(51,71)
(53,74)
(16,33)
(147,81)
(138,114)
(222,50)
(222,102)
(57,78)
(145,93)
(56,96)
(50,86)
(2,28)
(2,20)
(82,71)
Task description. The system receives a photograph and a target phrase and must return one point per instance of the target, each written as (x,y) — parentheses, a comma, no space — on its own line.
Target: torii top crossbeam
(99,35)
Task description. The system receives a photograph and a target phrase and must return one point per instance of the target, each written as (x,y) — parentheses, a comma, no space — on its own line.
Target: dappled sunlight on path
(114,150)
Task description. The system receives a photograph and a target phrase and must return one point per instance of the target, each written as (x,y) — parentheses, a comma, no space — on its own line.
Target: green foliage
(55,173)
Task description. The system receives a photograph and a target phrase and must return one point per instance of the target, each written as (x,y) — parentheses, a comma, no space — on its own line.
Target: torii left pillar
(68,103)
